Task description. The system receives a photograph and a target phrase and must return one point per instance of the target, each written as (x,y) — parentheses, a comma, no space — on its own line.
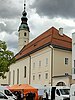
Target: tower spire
(23,29)
(24,12)
(24,5)
(24,25)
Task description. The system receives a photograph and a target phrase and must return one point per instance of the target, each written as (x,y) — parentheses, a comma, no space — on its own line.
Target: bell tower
(23,30)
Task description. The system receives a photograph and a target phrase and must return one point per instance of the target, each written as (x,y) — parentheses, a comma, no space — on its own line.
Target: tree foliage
(6,59)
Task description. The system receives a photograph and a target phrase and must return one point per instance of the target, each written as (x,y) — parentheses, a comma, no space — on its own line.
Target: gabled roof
(49,37)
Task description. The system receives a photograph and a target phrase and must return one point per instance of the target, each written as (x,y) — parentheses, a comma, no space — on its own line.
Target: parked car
(54,92)
(5,97)
(72,92)
(6,94)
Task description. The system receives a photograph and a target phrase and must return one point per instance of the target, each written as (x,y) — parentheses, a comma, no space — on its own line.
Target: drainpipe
(29,69)
(51,64)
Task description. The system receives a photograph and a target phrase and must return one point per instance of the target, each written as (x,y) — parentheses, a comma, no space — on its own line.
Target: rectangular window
(46,75)
(39,76)
(25,72)
(46,61)
(25,34)
(74,63)
(17,76)
(33,77)
(73,70)
(39,63)
(13,77)
(66,61)
(33,65)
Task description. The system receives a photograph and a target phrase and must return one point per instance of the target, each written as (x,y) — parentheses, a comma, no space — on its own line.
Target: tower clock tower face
(23,31)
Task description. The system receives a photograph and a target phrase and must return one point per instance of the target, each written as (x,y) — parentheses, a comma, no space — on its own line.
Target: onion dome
(24,25)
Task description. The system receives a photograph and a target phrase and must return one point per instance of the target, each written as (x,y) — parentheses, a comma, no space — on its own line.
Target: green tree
(6,59)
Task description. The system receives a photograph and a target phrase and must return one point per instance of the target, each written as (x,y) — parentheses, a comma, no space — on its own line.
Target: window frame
(39,63)
(46,61)
(13,77)
(74,63)
(39,76)
(25,34)
(33,77)
(25,71)
(66,60)
(18,76)
(46,75)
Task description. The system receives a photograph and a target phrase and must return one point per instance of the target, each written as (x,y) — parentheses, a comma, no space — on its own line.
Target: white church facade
(47,60)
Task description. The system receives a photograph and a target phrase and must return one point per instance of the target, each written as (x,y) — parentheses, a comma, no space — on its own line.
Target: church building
(46,60)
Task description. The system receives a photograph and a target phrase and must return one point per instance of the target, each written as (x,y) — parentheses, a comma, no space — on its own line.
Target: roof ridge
(36,39)
(51,36)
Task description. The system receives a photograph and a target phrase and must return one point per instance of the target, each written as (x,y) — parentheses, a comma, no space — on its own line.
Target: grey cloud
(55,8)
(12,44)
(11,25)
(1,26)
(9,9)
(12,40)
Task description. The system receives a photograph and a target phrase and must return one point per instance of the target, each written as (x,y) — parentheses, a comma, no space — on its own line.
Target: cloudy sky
(42,14)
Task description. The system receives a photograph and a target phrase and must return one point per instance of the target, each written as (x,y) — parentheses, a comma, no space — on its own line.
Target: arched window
(60,84)
(17,76)
(25,72)
(25,34)
(13,76)
(33,77)
(39,76)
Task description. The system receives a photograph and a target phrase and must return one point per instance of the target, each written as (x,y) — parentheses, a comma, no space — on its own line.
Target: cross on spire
(24,5)
(24,19)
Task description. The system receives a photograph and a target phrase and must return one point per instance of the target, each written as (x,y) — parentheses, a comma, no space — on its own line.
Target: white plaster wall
(59,67)
(20,64)
(41,55)
(23,40)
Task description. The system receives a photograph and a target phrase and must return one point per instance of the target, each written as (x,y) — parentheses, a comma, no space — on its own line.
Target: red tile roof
(51,36)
